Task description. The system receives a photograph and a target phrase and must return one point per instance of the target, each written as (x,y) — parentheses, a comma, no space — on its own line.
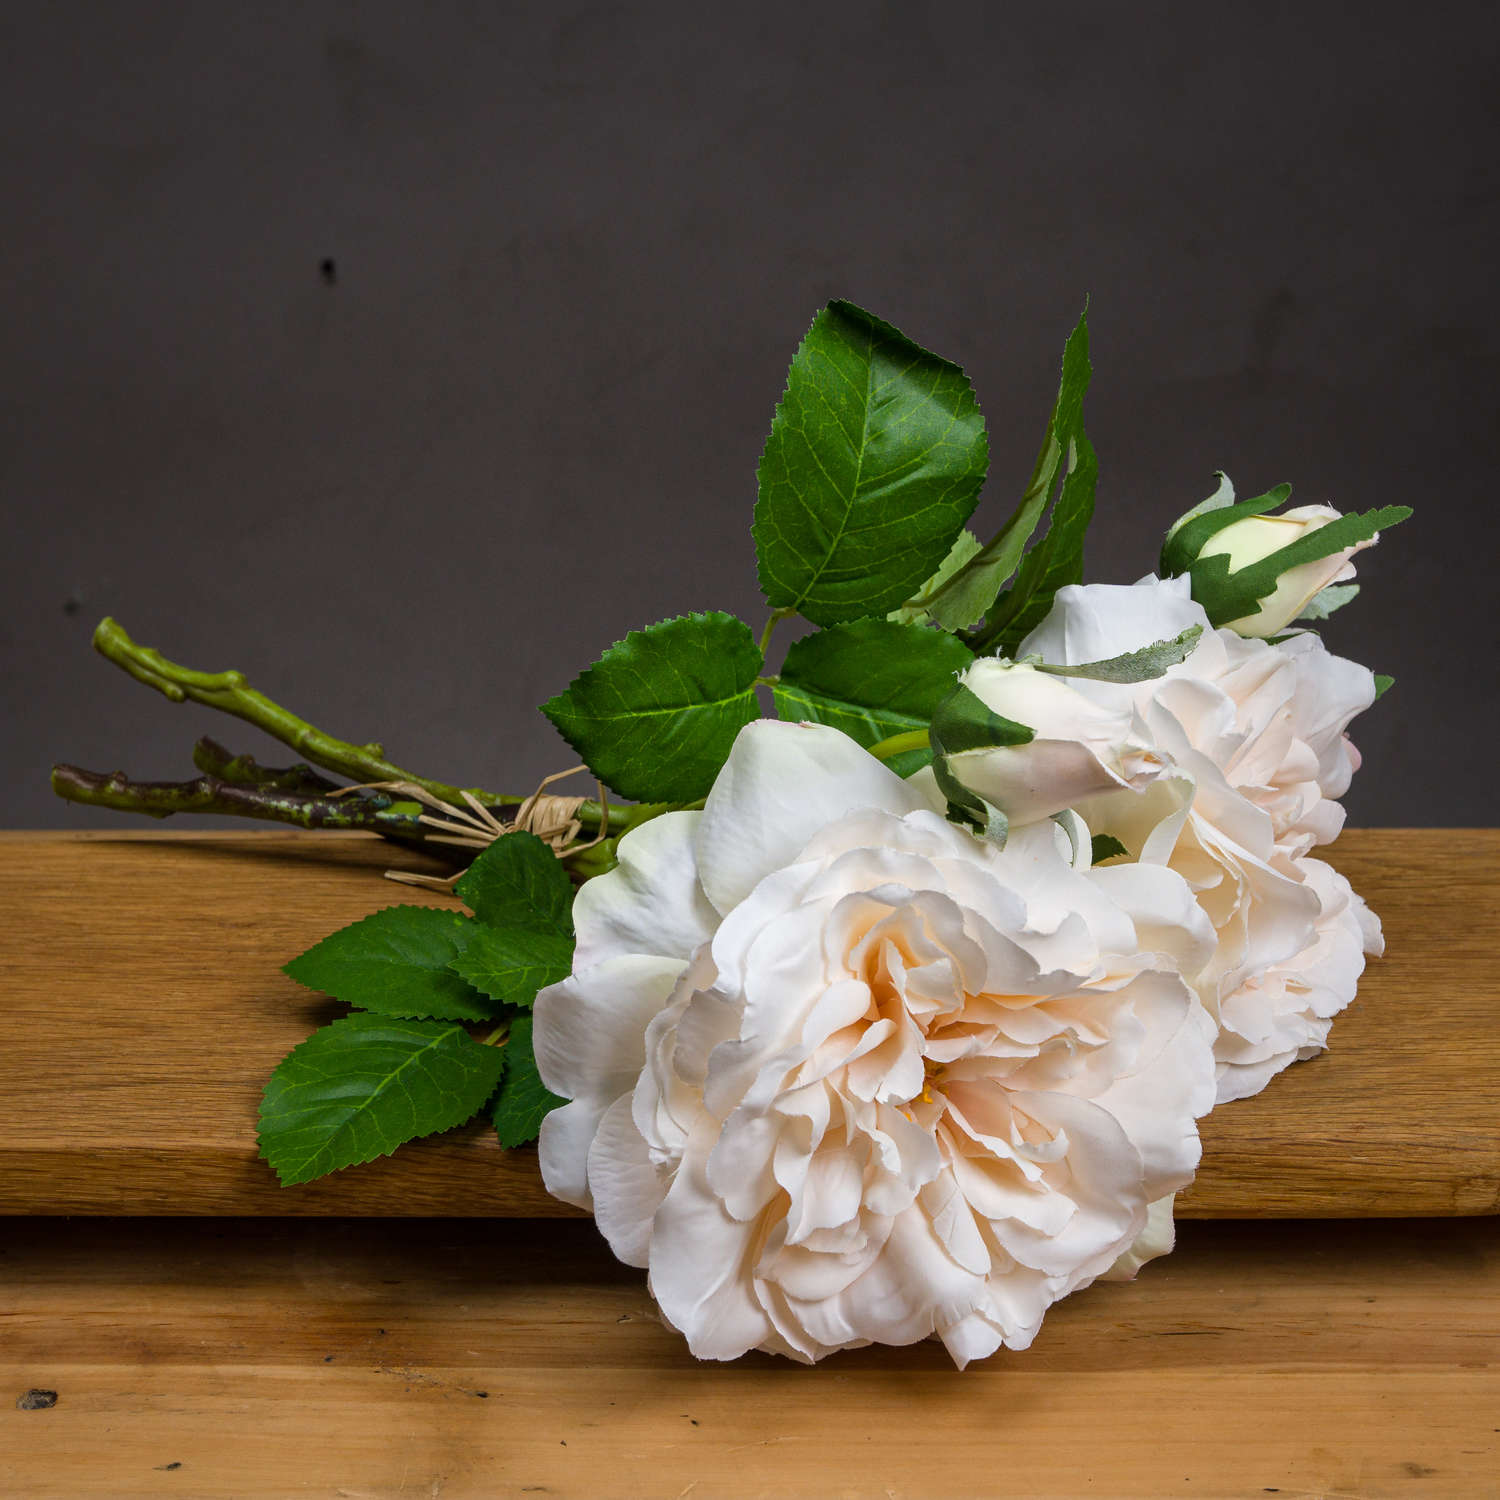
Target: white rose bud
(1079,748)
(1256,537)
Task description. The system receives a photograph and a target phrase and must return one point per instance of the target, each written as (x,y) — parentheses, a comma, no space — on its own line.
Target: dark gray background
(575,247)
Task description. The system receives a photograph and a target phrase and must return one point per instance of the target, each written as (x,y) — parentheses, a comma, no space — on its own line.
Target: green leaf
(1323,603)
(512,963)
(1192,532)
(396,962)
(1227,596)
(357,1089)
(1106,846)
(1222,496)
(1133,666)
(656,715)
(871,679)
(968,807)
(1055,561)
(524,1101)
(916,610)
(964,721)
(518,882)
(970,592)
(874,462)
(1382,685)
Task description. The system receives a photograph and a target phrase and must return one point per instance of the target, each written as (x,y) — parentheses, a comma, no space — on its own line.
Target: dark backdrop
(406,355)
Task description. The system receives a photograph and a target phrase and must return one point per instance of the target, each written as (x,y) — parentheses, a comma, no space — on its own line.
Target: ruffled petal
(781,784)
(590,1029)
(1167,919)
(1095,621)
(589,1040)
(1331,691)
(1158,1238)
(651,901)
(1172,1085)
(701,1259)
(627,1189)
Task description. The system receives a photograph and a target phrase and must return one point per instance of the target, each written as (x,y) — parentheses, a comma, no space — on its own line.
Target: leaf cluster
(1003,584)
(873,467)
(403,1063)
(868,479)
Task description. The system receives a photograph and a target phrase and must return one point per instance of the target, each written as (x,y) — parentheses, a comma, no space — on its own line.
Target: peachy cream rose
(842,1073)
(1254,736)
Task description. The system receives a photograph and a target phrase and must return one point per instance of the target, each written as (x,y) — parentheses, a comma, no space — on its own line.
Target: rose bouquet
(892,1016)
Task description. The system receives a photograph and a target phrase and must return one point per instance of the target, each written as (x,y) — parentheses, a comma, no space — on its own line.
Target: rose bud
(1077,747)
(1257,537)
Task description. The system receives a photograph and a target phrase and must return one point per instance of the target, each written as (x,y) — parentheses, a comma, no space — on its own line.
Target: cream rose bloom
(1255,732)
(842,1073)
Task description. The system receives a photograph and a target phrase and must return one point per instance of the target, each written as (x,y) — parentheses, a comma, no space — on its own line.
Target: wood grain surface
(465,1360)
(146,1009)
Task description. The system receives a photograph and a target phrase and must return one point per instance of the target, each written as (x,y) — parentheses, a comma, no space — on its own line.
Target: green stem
(208,794)
(619,817)
(229,692)
(597,859)
(243,770)
(777,615)
(896,744)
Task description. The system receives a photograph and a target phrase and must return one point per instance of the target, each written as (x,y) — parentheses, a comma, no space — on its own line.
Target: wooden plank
(146,1009)
(461,1359)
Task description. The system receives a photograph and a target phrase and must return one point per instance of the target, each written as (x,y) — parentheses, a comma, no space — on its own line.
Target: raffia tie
(552,819)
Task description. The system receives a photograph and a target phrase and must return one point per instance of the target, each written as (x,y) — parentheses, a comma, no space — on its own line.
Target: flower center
(932,1073)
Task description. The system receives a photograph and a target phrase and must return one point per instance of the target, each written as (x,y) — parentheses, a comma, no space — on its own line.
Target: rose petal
(780,785)
(650,902)
(1093,622)
(627,1189)
(589,1040)
(700,1261)
(1158,1238)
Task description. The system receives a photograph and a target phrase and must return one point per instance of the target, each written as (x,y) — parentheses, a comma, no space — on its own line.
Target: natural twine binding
(554,820)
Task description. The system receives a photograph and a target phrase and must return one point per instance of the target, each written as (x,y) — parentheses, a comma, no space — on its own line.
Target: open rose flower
(842,1073)
(1255,734)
